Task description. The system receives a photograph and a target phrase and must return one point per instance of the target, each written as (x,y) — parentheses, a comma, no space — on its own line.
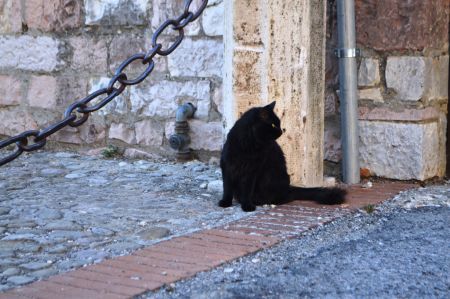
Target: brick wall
(54,52)
(403,87)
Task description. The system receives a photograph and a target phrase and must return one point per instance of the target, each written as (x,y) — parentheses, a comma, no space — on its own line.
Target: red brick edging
(182,257)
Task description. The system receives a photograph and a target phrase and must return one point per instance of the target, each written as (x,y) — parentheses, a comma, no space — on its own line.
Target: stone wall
(54,52)
(403,87)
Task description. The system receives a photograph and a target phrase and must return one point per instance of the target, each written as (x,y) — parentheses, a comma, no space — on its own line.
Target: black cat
(254,168)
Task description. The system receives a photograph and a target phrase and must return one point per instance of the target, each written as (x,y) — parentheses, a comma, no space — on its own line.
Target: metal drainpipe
(180,140)
(347,54)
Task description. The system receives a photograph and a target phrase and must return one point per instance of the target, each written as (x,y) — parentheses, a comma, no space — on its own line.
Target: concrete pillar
(275,50)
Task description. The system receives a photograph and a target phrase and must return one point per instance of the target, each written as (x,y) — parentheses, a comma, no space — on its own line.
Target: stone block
(42,92)
(372,94)
(116,12)
(132,153)
(369,72)
(401,151)
(71,88)
(120,131)
(332,140)
(10,91)
(428,114)
(197,58)
(89,54)
(218,98)
(124,46)
(16,121)
(117,106)
(29,53)
(406,76)
(438,81)
(402,25)
(53,15)
(10,16)
(248,22)
(247,73)
(330,102)
(160,99)
(67,135)
(149,132)
(213,23)
(204,135)
(171,9)
(92,132)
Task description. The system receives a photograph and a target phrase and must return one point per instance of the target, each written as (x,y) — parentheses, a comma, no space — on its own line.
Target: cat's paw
(248,208)
(225,203)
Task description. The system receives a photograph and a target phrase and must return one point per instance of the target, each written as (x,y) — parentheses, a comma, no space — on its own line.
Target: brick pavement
(182,257)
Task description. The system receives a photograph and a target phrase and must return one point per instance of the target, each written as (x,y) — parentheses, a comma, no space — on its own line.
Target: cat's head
(267,123)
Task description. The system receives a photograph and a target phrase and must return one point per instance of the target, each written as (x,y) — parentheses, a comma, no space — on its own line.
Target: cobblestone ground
(60,211)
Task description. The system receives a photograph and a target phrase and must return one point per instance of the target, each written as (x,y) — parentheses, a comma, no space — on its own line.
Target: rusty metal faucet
(180,140)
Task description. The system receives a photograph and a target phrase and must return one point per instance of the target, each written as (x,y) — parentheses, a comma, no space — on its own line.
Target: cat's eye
(273,126)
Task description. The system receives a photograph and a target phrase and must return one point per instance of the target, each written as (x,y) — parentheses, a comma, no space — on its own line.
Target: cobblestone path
(60,211)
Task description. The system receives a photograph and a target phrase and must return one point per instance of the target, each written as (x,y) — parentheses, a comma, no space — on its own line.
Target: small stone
(63,225)
(62,248)
(135,278)
(154,233)
(10,272)
(199,168)
(255,260)
(65,155)
(52,172)
(228,270)
(19,237)
(44,273)
(4,211)
(329,181)
(48,214)
(33,266)
(98,181)
(203,185)
(75,175)
(102,231)
(215,186)
(132,153)
(367,185)
(19,280)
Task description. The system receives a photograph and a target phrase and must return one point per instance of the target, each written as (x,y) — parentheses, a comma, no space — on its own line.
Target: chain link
(34,139)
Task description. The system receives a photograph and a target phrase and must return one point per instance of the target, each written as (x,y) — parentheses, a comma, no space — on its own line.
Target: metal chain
(33,140)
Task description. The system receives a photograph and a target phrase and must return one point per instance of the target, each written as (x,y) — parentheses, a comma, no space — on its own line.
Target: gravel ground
(399,250)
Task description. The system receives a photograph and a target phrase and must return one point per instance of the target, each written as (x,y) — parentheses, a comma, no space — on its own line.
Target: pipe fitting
(180,140)
(184,112)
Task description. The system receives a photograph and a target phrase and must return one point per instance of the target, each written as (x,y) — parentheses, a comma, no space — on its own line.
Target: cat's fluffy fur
(254,167)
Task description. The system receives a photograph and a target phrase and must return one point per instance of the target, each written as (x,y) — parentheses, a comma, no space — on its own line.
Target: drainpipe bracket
(347,52)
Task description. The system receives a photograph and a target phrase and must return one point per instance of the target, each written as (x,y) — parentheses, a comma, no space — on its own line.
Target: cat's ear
(271,105)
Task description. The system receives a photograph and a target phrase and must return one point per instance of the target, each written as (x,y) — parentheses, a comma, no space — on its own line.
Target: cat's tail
(326,196)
